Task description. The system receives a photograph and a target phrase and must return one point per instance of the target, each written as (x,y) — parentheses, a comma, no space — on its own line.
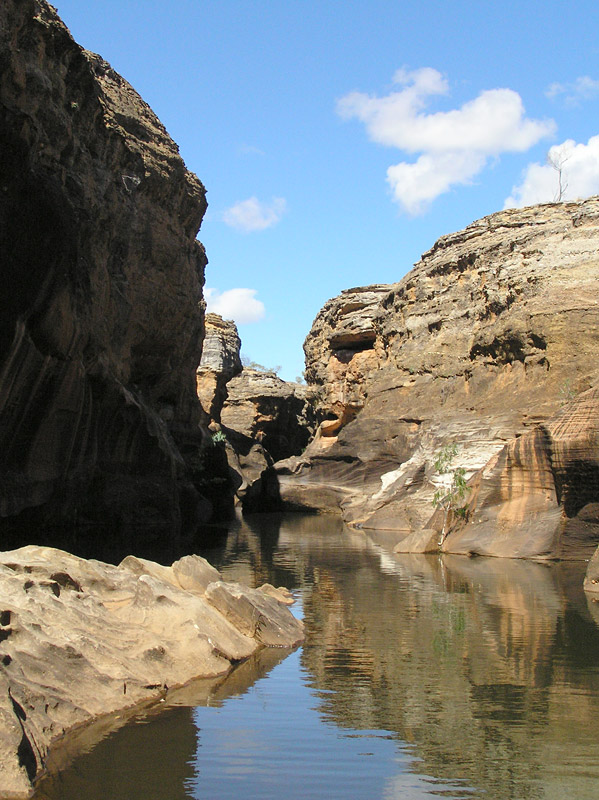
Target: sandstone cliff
(220,362)
(80,639)
(274,412)
(490,333)
(101,320)
(256,416)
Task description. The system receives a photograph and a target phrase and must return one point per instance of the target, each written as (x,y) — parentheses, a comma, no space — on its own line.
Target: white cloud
(580,175)
(253,215)
(452,146)
(583,88)
(250,150)
(239,305)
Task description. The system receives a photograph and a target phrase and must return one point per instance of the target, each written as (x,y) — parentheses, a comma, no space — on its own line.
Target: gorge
(128,418)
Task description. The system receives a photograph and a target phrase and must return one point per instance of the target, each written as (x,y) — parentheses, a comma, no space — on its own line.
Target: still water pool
(421,677)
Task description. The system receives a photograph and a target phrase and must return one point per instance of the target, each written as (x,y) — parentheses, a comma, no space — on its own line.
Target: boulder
(80,639)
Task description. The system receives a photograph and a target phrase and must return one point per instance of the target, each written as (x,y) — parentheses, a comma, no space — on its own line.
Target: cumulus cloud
(574,93)
(580,175)
(253,215)
(240,305)
(452,147)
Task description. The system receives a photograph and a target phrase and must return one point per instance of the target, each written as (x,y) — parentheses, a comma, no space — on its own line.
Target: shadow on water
(421,676)
(112,543)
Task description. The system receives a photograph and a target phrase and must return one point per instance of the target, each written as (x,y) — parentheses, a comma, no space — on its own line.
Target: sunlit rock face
(220,362)
(539,497)
(486,338)
(80,639)
(101,322)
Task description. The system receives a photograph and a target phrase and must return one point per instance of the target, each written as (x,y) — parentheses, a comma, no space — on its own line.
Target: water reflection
(420,677)
(149,754)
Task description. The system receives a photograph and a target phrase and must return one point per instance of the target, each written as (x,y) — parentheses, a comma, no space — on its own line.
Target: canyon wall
(101,317)
(491,334)
(255,417)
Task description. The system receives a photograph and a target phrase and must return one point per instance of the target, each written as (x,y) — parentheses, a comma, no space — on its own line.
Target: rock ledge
(80,639)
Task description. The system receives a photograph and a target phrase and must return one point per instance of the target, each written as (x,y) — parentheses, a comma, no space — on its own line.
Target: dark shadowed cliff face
(100,318)
(492,332)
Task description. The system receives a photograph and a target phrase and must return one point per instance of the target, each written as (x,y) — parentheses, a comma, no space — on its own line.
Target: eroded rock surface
(100,315)
(487,337)
(220,362)
(79,639)
(539,496)
(276,413)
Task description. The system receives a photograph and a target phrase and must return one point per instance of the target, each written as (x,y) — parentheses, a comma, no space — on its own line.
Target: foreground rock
(482,342)
(79,639)
(101,323)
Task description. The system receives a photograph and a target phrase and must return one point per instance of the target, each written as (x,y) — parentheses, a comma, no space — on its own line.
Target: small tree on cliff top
(452,496)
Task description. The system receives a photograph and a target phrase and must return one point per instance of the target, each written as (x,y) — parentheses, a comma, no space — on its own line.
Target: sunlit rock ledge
(487,349)
(80,639)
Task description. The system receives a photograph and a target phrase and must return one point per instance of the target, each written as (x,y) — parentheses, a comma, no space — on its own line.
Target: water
(421,677)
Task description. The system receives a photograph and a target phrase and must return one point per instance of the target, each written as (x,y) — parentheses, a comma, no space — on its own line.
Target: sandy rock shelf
(82,639)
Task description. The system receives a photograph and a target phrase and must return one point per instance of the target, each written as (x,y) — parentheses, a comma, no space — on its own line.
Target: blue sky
(339,139)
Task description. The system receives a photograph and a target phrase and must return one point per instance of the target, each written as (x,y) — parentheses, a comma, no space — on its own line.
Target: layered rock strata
(80,639)
(264,419)
(220,362)
(100,318)
(256,416)
(490,333)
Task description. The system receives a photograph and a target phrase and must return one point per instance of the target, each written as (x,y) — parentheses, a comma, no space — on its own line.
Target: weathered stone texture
(276,413)
(220,362)
(100,316)
(484,339)
(81,639)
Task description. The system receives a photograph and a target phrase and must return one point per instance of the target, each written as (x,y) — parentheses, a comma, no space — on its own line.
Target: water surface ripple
(421,677)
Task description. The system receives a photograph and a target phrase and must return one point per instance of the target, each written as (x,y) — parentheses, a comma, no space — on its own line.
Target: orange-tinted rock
(540,496)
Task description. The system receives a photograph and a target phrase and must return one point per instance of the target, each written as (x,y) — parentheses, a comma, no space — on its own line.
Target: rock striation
(478,346)
(276,413)
(80,639)
(101,318)
(264,419)
(220,362)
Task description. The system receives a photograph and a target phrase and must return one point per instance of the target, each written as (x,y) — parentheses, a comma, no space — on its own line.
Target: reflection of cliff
(484,667)
(469,664)
(273,548)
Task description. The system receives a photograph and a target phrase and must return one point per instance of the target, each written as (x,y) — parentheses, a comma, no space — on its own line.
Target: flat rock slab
(80,639)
